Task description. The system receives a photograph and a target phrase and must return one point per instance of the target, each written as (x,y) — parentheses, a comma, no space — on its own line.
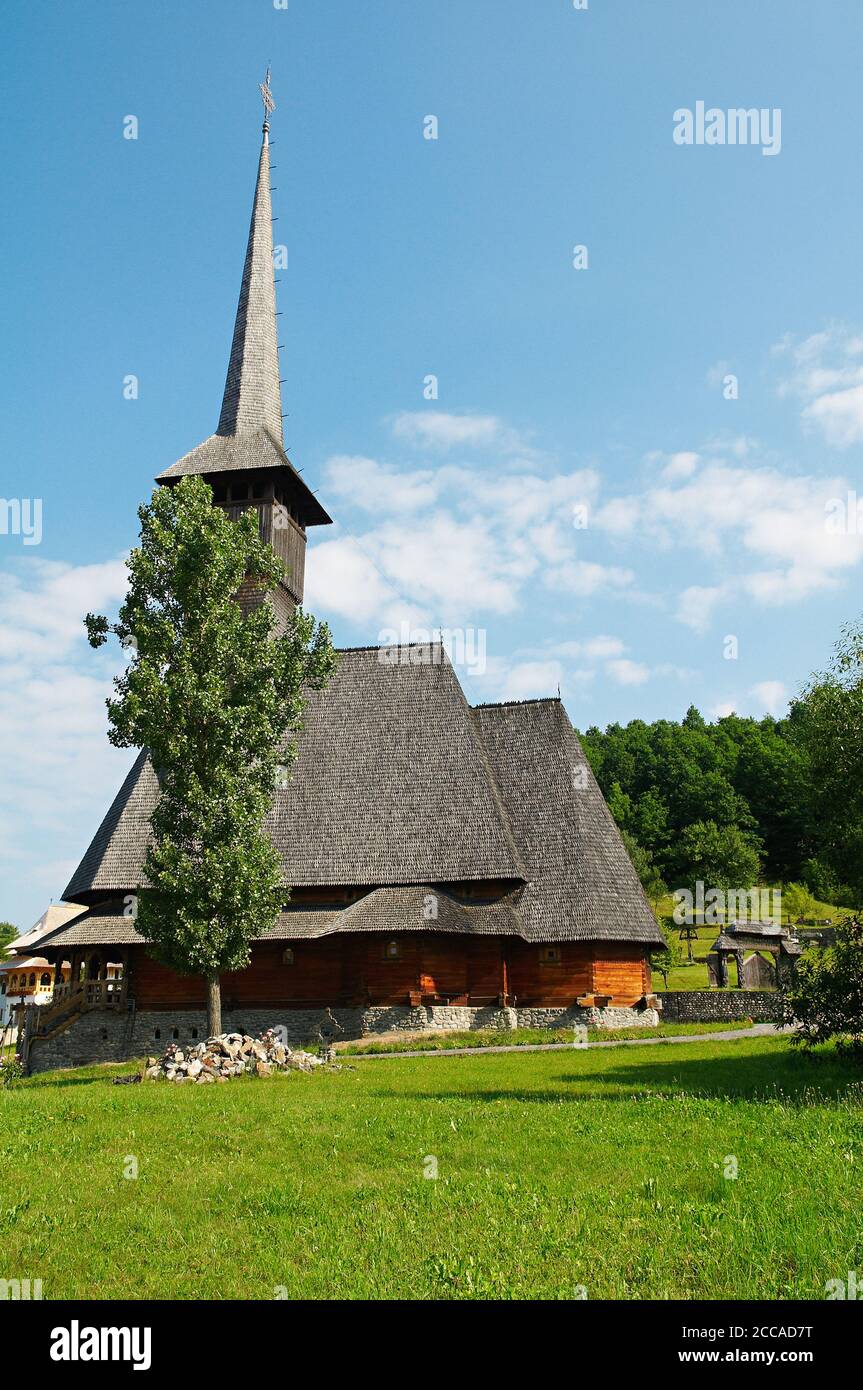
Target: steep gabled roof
(582,885)
(391,785)
(398,785)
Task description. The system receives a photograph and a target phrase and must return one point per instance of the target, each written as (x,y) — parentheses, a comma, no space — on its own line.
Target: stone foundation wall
(111,1037)
(719,1005)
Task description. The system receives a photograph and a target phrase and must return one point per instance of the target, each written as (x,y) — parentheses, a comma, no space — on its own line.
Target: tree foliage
(216,697)
(668,957)
(829,721)
(8,933)
(742,782)
(729,801)
(825,999)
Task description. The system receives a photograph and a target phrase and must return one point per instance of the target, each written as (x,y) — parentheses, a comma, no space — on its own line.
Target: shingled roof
(399,784)
(581,882)
(391,785)
(403,908)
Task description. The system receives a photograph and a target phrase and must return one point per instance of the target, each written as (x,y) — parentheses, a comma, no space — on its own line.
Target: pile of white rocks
(230,1054)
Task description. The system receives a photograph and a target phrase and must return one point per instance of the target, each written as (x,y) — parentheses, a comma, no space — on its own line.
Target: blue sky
(557,388)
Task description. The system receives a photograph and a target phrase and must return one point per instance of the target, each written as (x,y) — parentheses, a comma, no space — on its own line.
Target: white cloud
(772,695)
(451,541)
(437,429)
(827,378)
(839,415)
(532,680)
(59,771)
(773,525)
(342,579)
(681,465)
(586,577)
(626,672)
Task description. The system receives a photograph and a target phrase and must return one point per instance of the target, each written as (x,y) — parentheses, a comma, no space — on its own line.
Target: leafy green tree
(797,901)
(825,998)
(829,718)
(8,933)
(667,958)
(216,697)
(720,855)
(663,777)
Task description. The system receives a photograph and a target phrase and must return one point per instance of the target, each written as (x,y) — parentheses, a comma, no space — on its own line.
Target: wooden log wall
(432,967)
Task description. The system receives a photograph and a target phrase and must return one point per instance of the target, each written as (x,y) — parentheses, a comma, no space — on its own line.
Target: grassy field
(527,1037)
(601,1168)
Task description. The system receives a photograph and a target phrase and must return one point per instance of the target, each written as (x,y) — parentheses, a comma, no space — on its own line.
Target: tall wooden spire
(252,398)
(245,461)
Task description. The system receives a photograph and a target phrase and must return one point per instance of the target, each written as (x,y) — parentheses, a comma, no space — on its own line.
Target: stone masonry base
(110,1037)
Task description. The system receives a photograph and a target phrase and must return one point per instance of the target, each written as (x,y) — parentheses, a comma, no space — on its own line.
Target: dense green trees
(828,719)
(741,800)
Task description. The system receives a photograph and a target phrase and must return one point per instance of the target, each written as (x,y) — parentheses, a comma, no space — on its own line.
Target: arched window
(288,955)
(44,979)
(33,978)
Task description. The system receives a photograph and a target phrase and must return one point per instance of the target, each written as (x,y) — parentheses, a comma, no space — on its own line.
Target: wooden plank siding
(347,969)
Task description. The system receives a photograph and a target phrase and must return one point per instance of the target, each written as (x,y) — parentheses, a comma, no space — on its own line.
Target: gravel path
(759,1030)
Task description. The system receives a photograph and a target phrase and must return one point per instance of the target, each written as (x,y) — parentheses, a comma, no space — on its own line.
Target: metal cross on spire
(267,96)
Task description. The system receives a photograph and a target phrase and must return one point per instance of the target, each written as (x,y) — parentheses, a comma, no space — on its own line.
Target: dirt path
(759,1030)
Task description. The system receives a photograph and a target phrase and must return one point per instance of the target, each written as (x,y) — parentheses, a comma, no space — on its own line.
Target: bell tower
(245,461)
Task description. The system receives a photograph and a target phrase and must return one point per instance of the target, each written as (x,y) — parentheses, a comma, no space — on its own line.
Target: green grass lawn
(528,1037)
(601,1168)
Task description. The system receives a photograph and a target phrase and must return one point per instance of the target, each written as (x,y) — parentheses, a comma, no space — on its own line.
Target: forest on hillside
(744,800)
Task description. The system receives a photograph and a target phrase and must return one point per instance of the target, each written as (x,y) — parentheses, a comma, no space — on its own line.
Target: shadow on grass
(800,1078)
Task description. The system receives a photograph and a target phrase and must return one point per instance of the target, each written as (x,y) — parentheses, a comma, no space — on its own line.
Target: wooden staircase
(71,1001)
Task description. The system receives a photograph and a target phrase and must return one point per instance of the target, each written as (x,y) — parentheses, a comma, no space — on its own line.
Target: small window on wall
(45,980)
(392,950)
(549,955)
(288,955)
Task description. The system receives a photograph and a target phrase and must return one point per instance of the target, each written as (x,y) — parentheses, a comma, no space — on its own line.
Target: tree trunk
(214,1006)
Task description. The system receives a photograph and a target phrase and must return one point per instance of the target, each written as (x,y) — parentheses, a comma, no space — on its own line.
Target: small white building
(25,976)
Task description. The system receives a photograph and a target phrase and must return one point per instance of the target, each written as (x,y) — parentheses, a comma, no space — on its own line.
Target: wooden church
(443,865)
